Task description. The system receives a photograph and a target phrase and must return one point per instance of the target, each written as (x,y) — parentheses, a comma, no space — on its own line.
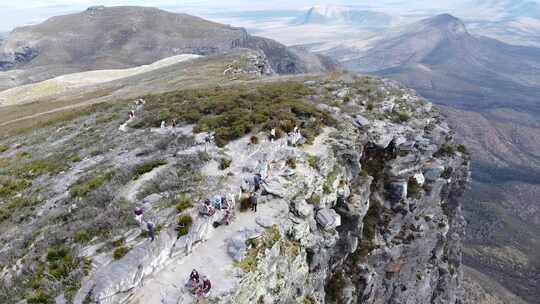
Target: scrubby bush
(314,200)
(414,190)
(224,163)
(184,224)
(400,117)
(120,252)
(291,162)
(446,150)
(85,185)
(3,148)
(245,204)
(370,106)
(462,149)
(235,111)
(184,204)
(254,140)
(313,161)
(82,236)
(147,167)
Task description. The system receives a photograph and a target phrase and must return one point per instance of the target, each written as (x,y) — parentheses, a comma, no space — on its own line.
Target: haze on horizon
(26,12)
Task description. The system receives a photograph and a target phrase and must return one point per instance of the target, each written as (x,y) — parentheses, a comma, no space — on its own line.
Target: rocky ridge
(395,236)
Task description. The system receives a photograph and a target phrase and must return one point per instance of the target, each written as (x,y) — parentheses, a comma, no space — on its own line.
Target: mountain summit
(122,37)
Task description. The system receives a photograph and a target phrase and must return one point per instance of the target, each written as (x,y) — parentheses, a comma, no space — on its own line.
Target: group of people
(164,125)
(199,286)
(219,202)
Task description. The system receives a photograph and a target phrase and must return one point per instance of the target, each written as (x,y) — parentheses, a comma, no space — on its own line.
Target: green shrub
(75,158)
(235,111)
(370,106)
(258,246)
(40,297)
(3,148)
(10,186)
(314,200)
(184,224)
(82,236)
(400,117)
(328,185)
(462,149)
(61,262)
(224,163)
(184,204)
(147,167)
(245,204)
(120,252)
(84,186)
(446,150)
(414,190)
(313,161)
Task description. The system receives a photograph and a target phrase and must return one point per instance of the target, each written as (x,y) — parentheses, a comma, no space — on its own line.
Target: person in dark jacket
(253,201)
(151,230)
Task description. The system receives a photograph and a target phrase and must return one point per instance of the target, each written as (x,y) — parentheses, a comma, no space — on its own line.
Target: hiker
(173,123)
(162,124)
(131,114)
(139,215)
(257,181)
(342,192)
(296,130)
(206,208)
(151,230)
(273,135)
(194,277)
(205,289)
(262,169)
(253,201)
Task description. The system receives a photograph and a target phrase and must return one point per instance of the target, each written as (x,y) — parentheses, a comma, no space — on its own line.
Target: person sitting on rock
(207,208)
(205,288)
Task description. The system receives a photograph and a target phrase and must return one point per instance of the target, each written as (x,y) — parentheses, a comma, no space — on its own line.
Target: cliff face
(399,236)
(362,208)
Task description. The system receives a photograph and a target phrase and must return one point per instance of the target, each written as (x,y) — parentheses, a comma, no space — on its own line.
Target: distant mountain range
(442,60)
(123,37)
(332,14)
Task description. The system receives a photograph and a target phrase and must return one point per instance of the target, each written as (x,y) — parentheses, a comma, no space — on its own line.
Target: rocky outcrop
(394,239)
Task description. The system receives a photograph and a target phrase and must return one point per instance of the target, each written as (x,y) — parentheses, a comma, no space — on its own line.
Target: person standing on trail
(253,201)
(273,135)
(162,124)
(205,289)
(342,192)
(139,215)
(151,230)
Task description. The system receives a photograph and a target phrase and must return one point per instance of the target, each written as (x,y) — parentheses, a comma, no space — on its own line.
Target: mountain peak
(446,22)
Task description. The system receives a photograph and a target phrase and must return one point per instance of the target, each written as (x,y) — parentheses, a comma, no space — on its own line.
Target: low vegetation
(147,167)
(85,185)
(257,247)
(232,112)
(184,224)
(120,252)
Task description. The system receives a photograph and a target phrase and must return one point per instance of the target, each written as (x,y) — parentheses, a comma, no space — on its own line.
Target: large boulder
(328,219)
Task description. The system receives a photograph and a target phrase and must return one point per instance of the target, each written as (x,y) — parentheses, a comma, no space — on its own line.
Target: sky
(15,13)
